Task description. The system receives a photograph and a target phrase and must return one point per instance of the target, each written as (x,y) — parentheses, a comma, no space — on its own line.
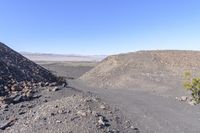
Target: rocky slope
(144,70)
(19,76)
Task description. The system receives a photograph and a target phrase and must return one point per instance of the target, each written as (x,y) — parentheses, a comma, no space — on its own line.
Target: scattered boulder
(192,102)
(102,107)
(56,88)
(46,84)
(52,84)
(16,87)
(101,122)
(4,107)
(187,99)
(82,113)
(5,125)
(58,121)
(184,98)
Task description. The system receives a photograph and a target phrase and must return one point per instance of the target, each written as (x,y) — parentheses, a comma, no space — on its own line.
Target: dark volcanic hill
(15,69)
(149,70)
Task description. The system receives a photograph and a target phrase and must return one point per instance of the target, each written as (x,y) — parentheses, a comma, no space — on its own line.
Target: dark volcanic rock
(18,73)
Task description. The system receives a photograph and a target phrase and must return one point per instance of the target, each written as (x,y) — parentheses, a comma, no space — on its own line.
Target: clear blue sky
(99,26)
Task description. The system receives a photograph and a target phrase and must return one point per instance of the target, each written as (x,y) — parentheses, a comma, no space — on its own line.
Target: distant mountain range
(61,57)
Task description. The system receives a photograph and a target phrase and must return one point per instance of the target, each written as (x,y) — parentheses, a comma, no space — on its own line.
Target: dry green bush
(193,85)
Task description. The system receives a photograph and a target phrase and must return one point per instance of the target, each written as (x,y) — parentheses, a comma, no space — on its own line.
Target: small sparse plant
(193,85)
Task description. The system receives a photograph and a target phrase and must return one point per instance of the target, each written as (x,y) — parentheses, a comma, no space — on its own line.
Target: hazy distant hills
(60,57)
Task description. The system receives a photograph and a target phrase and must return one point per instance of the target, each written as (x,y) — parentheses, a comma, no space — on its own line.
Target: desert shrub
(193,85)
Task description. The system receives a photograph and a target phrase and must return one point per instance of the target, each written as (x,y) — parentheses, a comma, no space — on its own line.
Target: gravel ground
(151,111)
(66,110)
(74,114)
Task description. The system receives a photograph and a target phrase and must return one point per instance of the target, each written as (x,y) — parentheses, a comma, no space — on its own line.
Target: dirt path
(152,113)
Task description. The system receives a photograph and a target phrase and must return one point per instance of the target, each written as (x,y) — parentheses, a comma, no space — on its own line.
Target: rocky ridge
(19,77)
(157,69)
